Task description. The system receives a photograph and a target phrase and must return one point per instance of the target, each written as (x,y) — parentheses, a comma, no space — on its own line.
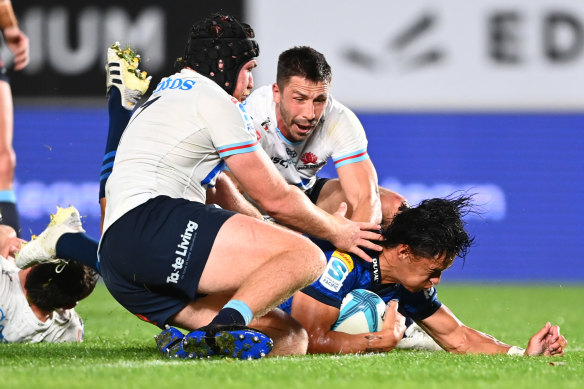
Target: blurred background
(484,96)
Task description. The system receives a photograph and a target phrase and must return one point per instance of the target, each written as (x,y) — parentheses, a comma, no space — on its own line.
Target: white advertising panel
(434,55)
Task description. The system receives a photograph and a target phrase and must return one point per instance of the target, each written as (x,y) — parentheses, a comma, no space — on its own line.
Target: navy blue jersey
(345,272)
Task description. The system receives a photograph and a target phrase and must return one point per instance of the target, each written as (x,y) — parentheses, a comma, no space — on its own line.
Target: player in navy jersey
(420,243)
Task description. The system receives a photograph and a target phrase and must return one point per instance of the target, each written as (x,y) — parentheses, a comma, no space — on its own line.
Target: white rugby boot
(123,73)
(43,248)
(415,338)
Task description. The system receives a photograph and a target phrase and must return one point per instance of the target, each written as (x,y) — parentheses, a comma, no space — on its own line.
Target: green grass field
(119,352)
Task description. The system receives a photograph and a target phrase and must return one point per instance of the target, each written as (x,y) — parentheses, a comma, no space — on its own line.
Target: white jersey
(339,136)
(175,143)
(18,323)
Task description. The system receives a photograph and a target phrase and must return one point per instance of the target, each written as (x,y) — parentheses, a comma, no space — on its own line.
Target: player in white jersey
(169,258)
(36,304)
(302,127)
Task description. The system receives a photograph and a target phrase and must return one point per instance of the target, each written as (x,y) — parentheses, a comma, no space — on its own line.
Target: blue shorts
(151,259)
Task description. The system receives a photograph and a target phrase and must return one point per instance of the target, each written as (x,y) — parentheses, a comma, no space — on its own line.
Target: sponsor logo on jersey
(282,162)
(316,166)
(375,272)
(336,271)
(174,83)
(266,124)
(183,252)
(249,126)
(343,256)
(291,153)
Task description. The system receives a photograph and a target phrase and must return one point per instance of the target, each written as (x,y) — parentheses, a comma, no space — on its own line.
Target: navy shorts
(314,191)
(151,259)
(3,75)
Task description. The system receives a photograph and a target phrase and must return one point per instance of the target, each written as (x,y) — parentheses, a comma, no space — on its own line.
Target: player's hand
(547,341)
(394,322)
(351,236)
(17,42)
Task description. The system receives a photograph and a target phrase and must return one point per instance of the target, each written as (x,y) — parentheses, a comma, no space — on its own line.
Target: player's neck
(281,125)
(386,264)
(41,314)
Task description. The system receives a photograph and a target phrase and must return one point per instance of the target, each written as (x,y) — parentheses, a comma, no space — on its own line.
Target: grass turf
(119,351)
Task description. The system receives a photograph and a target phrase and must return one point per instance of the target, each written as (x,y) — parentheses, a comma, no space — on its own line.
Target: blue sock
(8,210)
(234,312)
(79,247)
(118,120)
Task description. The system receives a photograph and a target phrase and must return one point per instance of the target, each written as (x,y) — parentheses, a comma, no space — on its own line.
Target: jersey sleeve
(420,305)
(231,128)
(339,277)
(349,143)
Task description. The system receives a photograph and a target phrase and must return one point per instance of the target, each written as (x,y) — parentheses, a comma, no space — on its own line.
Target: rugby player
(420,243)
(17,42)
(301,126)
(169,258)
(37,304)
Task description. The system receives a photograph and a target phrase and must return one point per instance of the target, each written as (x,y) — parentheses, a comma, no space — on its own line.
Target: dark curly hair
(433,228)
(305,62)
(50,289)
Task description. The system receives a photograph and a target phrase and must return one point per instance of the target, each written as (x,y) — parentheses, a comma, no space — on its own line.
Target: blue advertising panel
(525,169)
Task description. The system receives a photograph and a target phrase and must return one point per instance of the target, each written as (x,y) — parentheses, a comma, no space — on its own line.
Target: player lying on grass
(36,304)
(420,243)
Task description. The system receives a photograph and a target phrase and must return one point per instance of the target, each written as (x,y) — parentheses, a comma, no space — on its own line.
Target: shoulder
(338,114)
(260,102)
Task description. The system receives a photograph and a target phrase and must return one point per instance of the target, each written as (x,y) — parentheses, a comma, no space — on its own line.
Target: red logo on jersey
(258,135)
(307,158)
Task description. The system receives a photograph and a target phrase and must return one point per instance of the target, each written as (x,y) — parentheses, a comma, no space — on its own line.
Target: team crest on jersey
(308,158)
(336,271)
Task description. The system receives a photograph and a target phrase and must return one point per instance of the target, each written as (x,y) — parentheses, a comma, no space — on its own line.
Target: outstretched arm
(456,337)
(318,318)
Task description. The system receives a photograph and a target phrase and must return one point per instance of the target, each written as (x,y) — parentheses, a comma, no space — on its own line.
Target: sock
(8,210)
(79,247)
(234,312)
(118,120)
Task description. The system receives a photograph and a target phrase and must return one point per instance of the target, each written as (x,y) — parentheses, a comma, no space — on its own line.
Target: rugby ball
(361,311)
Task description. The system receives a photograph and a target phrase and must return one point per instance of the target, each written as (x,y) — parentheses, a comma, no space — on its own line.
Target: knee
(289,337)
(313,259)
(390,203)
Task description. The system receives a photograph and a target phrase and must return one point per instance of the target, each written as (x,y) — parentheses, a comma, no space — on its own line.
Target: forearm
(227,196)
(471,341)
(295,210)
(333,342)
(366,209)
(7,17)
